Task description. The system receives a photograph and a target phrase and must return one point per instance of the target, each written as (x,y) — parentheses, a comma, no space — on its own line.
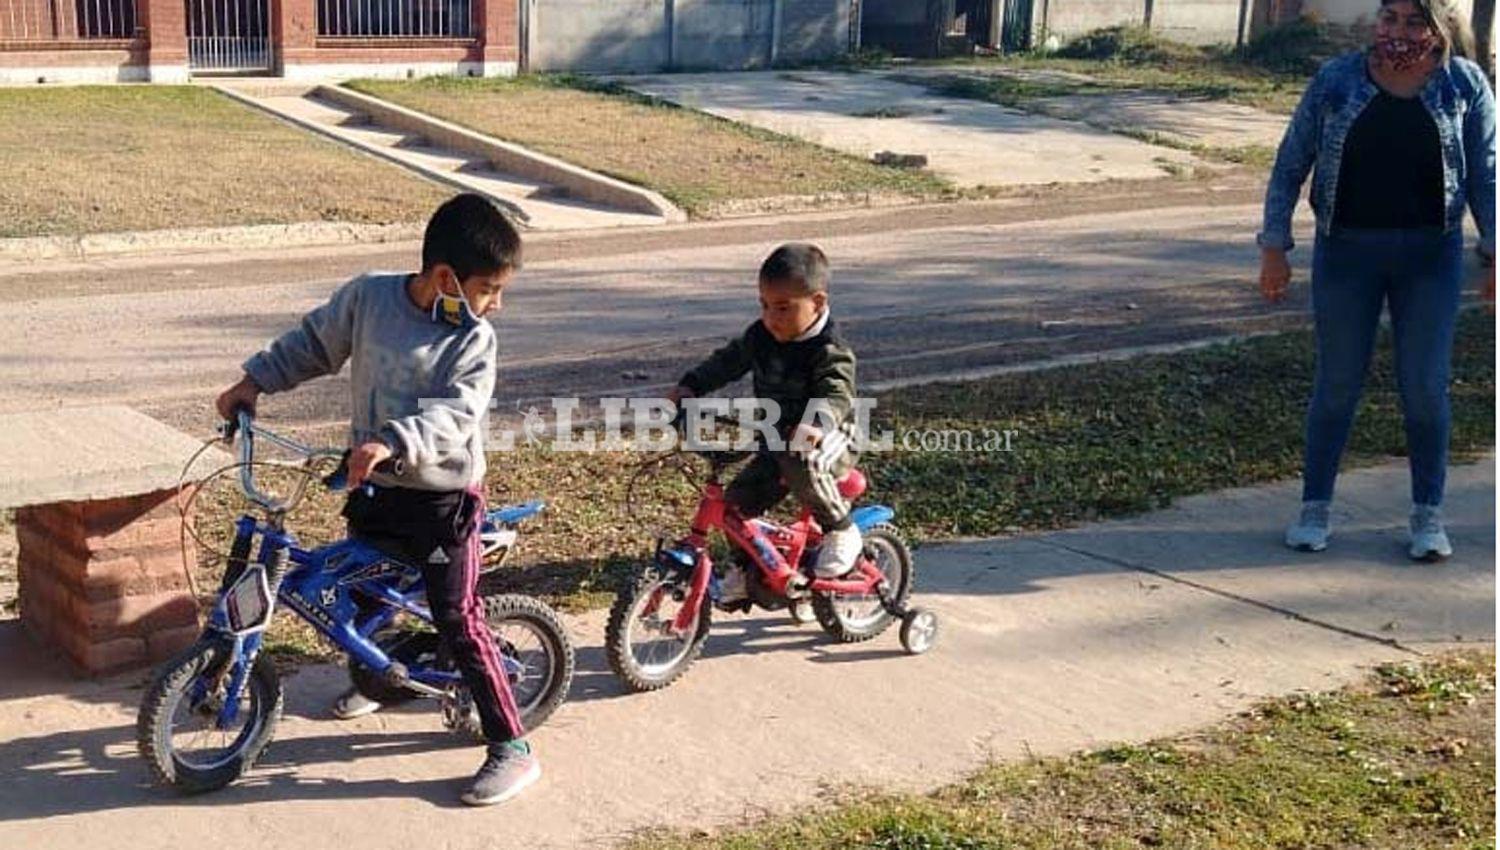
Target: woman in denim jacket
(1402,138)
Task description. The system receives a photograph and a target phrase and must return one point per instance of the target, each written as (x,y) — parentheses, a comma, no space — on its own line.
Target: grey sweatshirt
(421,386)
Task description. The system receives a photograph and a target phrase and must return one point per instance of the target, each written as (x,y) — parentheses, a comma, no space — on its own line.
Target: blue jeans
(1419,274)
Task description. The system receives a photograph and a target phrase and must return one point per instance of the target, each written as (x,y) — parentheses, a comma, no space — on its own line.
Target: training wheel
(802,612)
(919,630)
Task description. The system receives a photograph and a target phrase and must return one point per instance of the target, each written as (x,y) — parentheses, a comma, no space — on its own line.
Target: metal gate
(1016,30)
(229,36)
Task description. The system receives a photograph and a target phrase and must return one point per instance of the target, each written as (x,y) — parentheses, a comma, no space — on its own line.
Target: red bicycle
(657,625)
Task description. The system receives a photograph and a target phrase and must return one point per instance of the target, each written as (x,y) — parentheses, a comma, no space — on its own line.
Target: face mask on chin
(453,309)
(1402,54)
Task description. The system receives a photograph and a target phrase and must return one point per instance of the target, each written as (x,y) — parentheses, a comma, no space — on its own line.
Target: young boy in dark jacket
(797,360)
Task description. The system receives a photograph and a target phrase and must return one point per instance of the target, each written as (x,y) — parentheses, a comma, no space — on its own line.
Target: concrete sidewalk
(1112,632)
(971,142)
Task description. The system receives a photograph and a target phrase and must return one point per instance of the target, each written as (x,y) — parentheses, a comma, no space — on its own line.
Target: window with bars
(395,18)
(67,20)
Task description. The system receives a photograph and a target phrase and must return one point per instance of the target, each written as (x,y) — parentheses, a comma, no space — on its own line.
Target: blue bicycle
(211,711)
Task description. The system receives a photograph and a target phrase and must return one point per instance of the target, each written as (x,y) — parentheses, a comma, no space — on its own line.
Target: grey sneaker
(1429,541)
(352,704)
(508,769)
(1310,532)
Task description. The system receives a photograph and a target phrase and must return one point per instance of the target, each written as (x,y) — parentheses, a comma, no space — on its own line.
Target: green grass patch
(1373,766)
(1232,83)
(704,164)
(1121,438)
(1253,156)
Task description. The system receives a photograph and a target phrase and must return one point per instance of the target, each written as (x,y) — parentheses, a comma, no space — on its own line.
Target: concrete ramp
(542,193)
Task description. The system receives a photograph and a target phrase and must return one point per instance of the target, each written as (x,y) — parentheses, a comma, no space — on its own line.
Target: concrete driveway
(969,142)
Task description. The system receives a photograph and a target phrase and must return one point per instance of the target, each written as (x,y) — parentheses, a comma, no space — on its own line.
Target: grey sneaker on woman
(1429,540)
(508,769)
(1310,532)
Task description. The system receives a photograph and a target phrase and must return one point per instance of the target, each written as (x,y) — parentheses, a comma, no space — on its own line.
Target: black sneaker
(508,770)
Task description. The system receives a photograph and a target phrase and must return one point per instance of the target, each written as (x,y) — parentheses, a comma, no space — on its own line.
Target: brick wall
(105,582)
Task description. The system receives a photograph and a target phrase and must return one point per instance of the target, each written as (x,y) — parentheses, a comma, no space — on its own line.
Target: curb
(306,234)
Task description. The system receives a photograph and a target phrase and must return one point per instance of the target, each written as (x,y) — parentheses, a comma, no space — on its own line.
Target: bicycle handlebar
(243,425)
(338,479)
(716,457)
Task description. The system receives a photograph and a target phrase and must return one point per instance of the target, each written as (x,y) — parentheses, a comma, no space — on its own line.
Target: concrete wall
(598,35)
(1071,18)
(712,34)
(122,65)
(813,29)
(910,27)
(622,36)
(1189,21)
(1356,15)
(1354,12)
(1197,21)
(1360,13)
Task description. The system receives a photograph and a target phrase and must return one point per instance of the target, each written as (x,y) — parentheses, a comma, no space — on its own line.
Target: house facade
(174,40)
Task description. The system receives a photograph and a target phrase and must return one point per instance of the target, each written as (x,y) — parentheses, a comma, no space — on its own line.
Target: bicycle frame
(348,591)
(325,587)
(754,538)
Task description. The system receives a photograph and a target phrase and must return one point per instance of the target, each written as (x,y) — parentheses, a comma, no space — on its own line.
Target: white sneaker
(841,549)
(1429,540)
(352,704)
(1310,532)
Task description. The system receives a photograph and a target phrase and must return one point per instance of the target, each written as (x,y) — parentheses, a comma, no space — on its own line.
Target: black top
(789,373)
(1391,174)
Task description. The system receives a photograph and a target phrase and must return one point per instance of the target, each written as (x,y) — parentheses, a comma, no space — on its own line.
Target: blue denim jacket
(1459,99)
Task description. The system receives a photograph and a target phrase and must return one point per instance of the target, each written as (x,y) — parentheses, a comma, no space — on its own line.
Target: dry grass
(108,159)
(698,161)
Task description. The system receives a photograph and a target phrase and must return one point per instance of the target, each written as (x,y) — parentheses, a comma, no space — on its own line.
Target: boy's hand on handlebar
(241,396)
(806,437)
(364,458)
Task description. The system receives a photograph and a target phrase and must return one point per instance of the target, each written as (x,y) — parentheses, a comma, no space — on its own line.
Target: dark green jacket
(788,373)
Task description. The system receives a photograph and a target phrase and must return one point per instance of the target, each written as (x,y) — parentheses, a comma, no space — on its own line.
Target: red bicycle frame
(753,537)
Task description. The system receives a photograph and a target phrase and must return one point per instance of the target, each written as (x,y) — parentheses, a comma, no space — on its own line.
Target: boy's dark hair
(800,264)
(470,234)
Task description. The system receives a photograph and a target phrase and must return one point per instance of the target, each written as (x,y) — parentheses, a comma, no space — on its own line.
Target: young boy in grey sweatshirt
(422,370)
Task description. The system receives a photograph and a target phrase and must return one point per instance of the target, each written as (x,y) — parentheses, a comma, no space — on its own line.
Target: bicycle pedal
(396,675)
(798,588)
(456,705)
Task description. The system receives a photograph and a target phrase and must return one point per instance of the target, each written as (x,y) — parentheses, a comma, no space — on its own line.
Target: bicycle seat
(853,484)
(511,514)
